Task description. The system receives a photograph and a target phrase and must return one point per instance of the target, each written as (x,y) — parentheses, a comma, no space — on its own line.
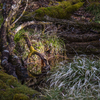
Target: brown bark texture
(80,37)
(11,63)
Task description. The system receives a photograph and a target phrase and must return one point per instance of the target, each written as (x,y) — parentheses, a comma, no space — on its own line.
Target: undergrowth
(94,8)
(42,42)
(1,19)
(45,43)
(78,80)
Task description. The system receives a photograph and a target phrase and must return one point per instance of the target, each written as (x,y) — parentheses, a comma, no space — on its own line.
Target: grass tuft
(94,8)
(77,80)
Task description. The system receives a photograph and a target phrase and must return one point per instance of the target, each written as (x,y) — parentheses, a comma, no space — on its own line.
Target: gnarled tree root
(44,69)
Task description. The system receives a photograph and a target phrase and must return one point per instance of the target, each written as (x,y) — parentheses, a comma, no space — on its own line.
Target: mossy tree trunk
(12,64)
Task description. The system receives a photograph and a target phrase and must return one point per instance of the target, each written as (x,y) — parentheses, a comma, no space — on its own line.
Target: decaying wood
(20,15)
(29,23)
(83,47)
(80,37)
(13,64)
(80,24)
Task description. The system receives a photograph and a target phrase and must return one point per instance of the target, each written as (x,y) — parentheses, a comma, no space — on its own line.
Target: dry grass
(78,80)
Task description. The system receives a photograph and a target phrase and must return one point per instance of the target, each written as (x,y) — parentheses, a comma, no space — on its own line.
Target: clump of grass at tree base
(47,43)
(94,8)
(18,38)
(77,80)
(42,43)
(51,42)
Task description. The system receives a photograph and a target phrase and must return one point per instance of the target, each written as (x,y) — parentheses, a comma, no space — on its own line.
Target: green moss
(62,11)
(20,97)
(19,36)
(11,89)
(3,85)
(1,5)
(1,19)
(74,7)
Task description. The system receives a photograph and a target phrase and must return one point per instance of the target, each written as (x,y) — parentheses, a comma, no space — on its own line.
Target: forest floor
(82,36)
(78,38)
(74,40)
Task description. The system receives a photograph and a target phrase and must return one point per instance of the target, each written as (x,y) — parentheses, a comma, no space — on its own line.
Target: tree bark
(83,47)
(11,63)
(80,37)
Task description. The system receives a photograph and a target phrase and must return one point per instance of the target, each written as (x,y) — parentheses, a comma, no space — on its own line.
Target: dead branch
(20,15)
(83,47)
(14,8)
(29,23)
(80,37)
(10,62)
(44,69)
(73,23)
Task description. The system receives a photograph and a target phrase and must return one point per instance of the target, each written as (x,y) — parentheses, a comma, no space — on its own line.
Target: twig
(29,23)
(21,14)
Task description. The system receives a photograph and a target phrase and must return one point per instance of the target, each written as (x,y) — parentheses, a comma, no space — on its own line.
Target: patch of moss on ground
(62,11)
(11,89)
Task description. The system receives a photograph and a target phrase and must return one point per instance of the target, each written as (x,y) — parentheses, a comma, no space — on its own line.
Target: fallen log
(79,24)
(83,47)
(80,37)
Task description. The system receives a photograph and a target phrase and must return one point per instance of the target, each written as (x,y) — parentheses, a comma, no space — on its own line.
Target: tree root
(45,67)
(80,37)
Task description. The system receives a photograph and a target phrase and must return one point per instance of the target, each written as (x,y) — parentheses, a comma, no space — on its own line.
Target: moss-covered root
(11,89)
(32,51)
(20,97)
(62,11)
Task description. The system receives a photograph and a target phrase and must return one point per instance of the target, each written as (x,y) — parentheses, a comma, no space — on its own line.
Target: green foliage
(43,43)
(46,44)
(1,20)
(77,80)
(20,97)
(62,11)
(18,36)
(94,8)
(50,42)
(11,89)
